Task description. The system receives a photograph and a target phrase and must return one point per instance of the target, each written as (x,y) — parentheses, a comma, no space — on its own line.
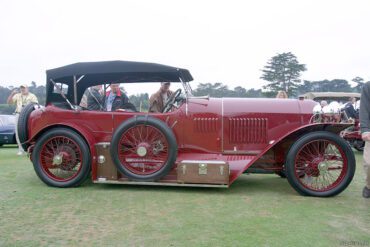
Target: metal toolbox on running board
(106,170)
(203,172)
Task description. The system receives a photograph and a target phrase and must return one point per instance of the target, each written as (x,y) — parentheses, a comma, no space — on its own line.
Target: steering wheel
(171,100)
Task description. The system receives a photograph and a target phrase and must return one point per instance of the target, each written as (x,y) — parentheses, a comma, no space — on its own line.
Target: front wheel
(61,158)
(320,164)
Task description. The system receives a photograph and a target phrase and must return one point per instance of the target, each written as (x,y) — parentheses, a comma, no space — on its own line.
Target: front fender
(291,136)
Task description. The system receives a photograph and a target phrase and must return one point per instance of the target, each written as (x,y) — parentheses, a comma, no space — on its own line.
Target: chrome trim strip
(160,184)
(222,124)
(203,161)
(186,107)
(242,152)
(102,143)
(206,97)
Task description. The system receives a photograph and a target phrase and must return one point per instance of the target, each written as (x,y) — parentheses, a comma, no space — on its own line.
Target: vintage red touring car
(195,141)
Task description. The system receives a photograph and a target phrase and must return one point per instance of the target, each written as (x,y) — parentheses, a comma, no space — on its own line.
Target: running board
(101,181)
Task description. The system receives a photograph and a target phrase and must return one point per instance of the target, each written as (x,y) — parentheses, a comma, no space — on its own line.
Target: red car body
(249,135)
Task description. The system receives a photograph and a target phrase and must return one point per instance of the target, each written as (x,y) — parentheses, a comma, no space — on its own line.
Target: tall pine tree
(283,72)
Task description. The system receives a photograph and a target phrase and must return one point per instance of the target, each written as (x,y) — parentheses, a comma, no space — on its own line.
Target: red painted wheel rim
(320,165)
(70,164)
(143,149)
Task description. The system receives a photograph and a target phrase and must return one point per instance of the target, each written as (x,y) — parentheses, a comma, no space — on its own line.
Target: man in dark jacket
(115,99)
(95,98)
(365,131)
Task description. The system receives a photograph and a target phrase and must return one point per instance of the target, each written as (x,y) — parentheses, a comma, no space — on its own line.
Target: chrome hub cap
(57,159)
(141,151)
(323,167)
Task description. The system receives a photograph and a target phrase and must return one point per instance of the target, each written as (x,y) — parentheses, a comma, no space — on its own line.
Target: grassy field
(258,210)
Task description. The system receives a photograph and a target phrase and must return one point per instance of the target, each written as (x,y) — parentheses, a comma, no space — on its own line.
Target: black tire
(320,135)
(163,128)
(84,171)
(359,145)
(22,125)
(281,174)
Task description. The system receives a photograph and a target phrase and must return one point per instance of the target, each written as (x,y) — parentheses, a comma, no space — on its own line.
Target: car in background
(353,133)
(7,130)
(330,96)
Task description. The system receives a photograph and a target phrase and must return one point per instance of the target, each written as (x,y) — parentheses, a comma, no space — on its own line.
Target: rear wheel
(320,164)
(61,158)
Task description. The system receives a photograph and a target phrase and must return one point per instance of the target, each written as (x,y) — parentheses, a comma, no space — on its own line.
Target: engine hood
(235,106)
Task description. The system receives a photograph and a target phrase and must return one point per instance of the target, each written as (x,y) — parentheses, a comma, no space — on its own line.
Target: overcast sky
(218,41)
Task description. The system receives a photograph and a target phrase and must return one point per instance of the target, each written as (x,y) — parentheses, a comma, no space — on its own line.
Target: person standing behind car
(365,134)
(282,95)
(115,99)
(20,99)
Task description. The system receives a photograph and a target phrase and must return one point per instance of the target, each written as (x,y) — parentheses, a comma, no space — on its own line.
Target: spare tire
(22,125)
(144,148)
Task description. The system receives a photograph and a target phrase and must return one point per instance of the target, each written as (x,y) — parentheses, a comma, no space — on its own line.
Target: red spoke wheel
(61,158)
(320,164)
(144,148)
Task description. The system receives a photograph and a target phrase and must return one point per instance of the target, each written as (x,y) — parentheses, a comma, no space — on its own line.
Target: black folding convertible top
(93,73)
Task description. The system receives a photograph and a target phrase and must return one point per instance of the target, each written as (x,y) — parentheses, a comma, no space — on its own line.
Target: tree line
(218,89)
(281,73)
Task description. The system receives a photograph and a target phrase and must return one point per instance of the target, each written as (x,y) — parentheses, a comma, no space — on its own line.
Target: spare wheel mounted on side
(144,148)
(22,124)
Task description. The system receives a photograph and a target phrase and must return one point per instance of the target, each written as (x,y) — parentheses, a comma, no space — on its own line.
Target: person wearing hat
(20,99)
(158,100)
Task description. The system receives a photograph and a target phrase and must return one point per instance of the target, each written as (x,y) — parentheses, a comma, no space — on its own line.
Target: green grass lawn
(258,210)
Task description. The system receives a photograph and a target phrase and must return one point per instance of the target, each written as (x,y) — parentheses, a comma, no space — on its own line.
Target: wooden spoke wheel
(320,164)
(144,148)
(61,158)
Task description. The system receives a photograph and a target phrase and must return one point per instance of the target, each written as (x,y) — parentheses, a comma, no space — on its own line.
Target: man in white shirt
(20,99)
